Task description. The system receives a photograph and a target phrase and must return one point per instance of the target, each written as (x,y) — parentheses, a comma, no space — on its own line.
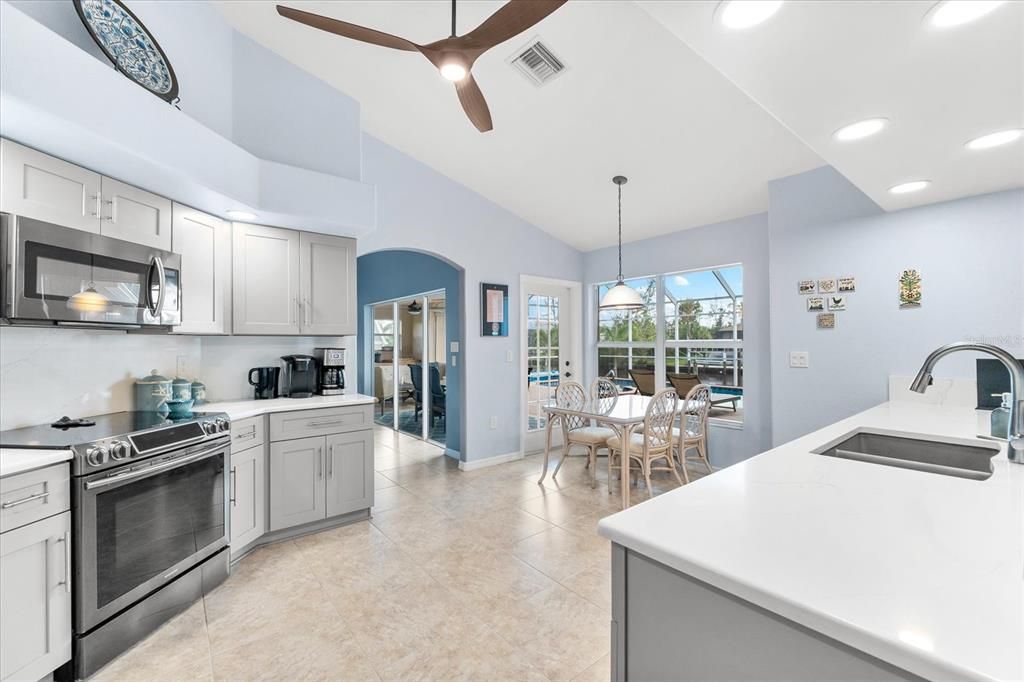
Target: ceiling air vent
(537,63)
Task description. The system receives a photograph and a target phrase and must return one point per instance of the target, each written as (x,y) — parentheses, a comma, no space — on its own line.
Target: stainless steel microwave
(59,275)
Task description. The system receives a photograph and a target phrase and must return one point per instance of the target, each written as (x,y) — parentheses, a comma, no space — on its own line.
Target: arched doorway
(410,344)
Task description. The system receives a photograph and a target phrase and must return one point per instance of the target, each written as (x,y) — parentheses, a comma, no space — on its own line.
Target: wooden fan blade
(473,103)
(511,20)
(347,30)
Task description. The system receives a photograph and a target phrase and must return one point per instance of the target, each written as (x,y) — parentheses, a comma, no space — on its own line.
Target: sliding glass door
(409,368)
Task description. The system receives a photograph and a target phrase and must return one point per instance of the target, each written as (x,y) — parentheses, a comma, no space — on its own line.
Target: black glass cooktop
(105,426)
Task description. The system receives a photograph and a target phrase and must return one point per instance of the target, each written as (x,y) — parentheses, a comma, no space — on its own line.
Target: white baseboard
(491,461)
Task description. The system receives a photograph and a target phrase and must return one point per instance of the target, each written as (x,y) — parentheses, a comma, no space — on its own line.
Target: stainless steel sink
(950,459)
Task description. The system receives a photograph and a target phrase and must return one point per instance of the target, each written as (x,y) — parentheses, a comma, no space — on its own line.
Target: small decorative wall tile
(815,304)
(826,286)
(846,285)
(837,303)
(910,289)
(806,286)
(826,321)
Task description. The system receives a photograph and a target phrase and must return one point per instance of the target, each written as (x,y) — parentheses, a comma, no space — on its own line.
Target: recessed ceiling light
(956,12)
(995,139)
(860,129)
(907,187)
(746,13)
(241,215)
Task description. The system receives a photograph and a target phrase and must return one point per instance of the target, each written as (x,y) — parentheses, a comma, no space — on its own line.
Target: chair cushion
(591,435)
(636,443)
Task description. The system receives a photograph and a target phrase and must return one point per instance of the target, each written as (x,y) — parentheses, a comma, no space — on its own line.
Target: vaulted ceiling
(698,117)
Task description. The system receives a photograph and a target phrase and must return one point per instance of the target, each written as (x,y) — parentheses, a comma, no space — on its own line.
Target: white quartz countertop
(240,409)
(16,460)
(918,569)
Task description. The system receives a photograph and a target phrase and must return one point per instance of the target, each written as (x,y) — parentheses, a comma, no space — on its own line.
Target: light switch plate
(494,422)
(799,359)
(455,346)
(508,356)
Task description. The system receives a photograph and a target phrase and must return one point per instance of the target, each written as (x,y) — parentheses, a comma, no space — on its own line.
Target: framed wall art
(815,304)
(826,286)
(846,285)
(910,289)
(836,302)
(826,321)
(493,309)
(805,286)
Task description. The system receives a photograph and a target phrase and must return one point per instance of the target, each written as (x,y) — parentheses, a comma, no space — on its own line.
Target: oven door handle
(156,468)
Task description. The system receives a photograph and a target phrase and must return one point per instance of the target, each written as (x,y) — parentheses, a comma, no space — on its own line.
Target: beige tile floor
(479,575)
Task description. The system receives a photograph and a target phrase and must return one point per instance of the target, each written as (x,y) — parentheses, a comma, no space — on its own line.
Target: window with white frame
(692,325)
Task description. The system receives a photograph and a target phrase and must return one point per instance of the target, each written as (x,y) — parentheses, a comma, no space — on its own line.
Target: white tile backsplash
(949,392)
(48,373)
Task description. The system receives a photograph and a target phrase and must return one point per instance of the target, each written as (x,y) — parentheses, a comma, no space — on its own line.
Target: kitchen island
(794,565)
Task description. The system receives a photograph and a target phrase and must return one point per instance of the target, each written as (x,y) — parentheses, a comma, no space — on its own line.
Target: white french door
(551,349)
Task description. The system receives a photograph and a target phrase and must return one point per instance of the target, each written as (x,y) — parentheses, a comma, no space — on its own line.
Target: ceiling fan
(453,56)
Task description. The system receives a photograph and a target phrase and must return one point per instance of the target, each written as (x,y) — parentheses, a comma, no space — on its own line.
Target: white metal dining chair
(578,430)
(694,434)
(653,443)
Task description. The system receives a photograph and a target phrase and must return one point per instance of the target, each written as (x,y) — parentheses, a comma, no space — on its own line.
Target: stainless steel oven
(59,275)
(138,527)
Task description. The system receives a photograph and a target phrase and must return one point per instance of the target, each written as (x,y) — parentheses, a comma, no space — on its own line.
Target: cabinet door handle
(330,462)
(97,211)
(327,423)
(234,486)
(247,435)
(112,218)
(320,462)
(298,311)
(307,312)
(15,503)
(67,561)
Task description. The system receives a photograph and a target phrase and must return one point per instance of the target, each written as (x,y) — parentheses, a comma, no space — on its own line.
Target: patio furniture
(683,382)
(694,434)
(723,398)
(624,413)
(643,377)
(577,430)
(650,445)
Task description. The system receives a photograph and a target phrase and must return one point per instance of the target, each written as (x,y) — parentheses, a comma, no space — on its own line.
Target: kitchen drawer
(328,420)
(247,433)
(34,495)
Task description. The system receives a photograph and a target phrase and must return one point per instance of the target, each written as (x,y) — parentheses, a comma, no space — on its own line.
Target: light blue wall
(286,114)
(969,253)
(421,210)
(745,241)
(387,275)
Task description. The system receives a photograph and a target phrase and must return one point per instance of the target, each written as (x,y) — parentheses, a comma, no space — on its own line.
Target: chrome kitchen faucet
(1015,452)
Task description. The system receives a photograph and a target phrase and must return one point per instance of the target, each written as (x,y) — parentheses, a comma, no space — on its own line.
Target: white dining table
(624,413)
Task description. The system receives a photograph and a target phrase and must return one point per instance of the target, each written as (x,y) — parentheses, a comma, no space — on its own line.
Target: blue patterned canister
(151,392)
(181,389)
(198,392)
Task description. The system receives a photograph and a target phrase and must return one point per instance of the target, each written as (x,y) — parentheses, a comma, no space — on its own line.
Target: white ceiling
(820,65)
(635,100)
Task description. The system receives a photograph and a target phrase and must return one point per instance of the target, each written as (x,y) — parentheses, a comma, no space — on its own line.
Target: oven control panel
(123,450)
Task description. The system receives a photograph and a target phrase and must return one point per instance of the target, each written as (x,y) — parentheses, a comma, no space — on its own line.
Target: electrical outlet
(455,346)
(494,422)
(799,359)
(181,367)
(455,360)
(508,356)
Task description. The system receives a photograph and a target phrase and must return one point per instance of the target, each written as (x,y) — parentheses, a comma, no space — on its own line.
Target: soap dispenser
(1001,417)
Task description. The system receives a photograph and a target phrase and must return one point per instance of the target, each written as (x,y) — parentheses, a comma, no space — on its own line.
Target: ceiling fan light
(453,71)
(622,297)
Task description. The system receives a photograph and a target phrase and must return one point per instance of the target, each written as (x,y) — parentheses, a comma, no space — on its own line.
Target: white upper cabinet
(204,243)
(328,284)
(135,215)
(36,185)
(266,298)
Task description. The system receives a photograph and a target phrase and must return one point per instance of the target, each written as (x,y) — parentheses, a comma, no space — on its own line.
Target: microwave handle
(158,305)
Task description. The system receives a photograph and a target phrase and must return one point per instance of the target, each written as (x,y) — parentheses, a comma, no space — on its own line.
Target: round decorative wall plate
(129,45)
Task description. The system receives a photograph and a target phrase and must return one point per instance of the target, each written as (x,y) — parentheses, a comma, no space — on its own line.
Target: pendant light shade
(621,296)
(88,301)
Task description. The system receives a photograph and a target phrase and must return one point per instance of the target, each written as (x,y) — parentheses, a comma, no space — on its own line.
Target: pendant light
(89,300)
(621,296)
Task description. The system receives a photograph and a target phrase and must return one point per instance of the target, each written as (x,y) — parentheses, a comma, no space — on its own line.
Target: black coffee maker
(266,381)
(299,375)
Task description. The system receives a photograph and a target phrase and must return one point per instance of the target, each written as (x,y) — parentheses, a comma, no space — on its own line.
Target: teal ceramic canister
(198,392)
(152,392)
(181,389)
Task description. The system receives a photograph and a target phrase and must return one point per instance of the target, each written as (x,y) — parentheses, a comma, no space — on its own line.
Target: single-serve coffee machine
(330,378)
(300,375)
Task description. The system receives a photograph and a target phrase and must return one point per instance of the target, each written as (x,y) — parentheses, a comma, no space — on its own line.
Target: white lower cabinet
(248,497)
(297,491)
(349,472)
(35,598)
